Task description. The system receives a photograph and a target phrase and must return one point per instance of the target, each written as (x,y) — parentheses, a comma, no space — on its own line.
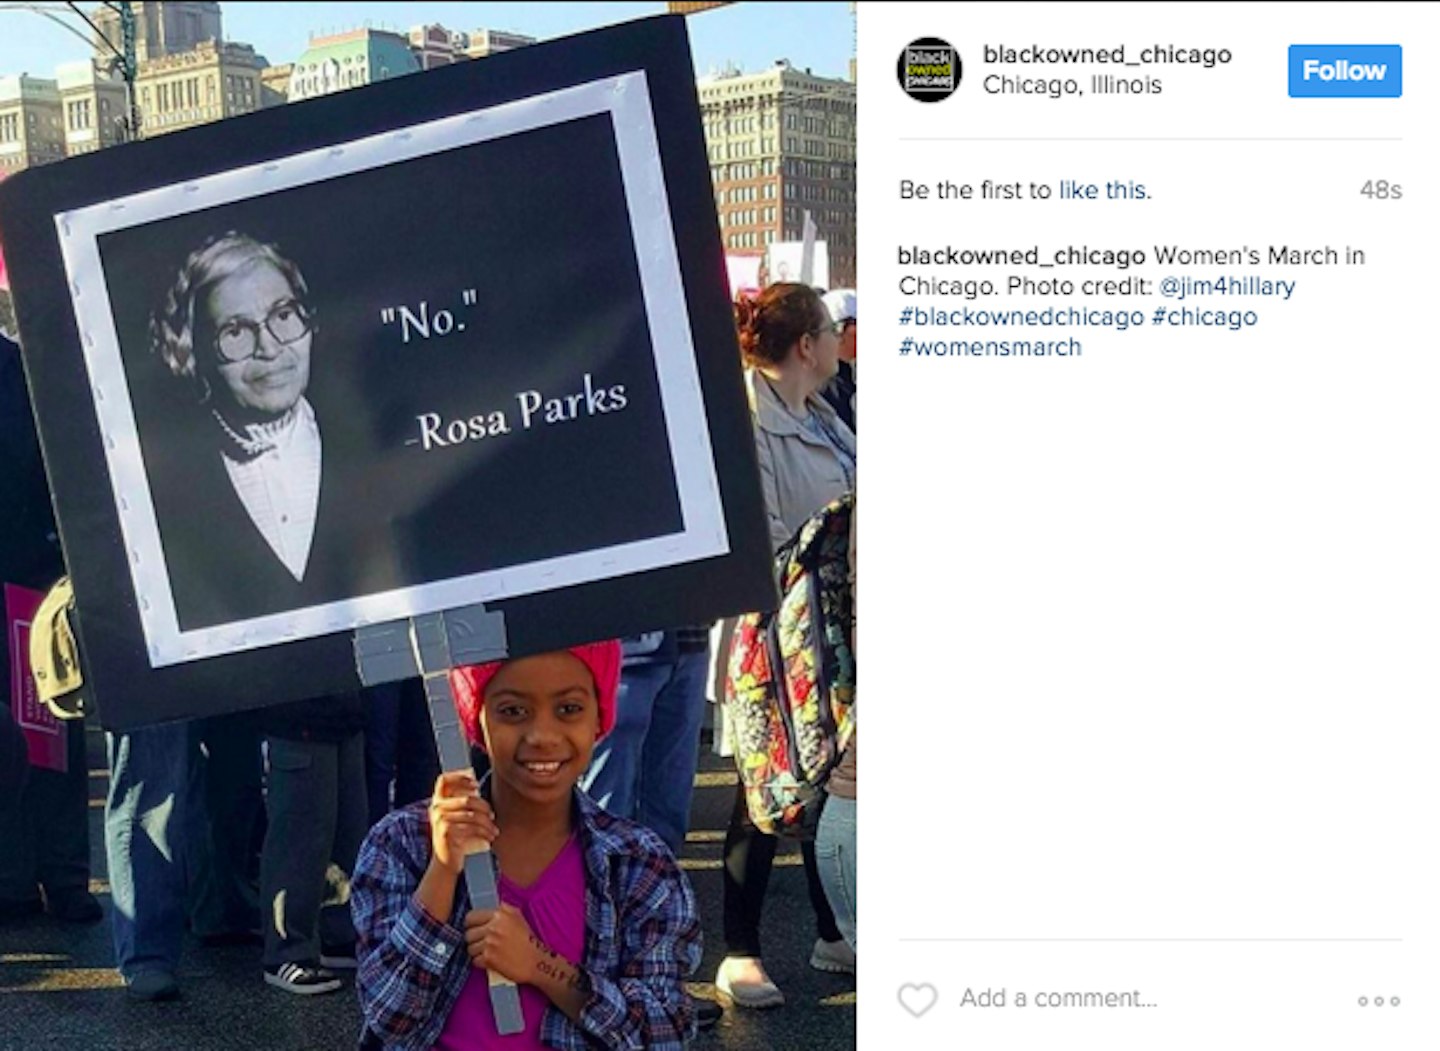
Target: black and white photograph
(346,401)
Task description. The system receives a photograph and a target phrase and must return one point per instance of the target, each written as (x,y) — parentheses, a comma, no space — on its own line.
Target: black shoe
(74,906)
(152,986)
(14,911)
(304,979)
(707,1012)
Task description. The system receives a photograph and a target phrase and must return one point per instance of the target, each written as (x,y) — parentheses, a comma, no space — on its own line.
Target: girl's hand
(461,823)
(500,940)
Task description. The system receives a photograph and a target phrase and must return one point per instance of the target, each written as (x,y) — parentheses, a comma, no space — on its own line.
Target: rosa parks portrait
(254,516)
(300,452)
(297,459)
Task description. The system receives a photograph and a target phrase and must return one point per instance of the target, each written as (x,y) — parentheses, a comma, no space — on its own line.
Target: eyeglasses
(837,327)
(239,338)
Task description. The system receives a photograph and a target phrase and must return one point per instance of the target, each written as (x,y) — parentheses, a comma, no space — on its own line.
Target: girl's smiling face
(540,720)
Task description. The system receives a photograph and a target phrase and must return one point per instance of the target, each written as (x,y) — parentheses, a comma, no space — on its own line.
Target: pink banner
(43,732)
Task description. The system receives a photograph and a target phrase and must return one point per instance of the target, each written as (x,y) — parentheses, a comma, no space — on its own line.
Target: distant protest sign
(785,261)
(744,273)
(461,337)
(44,735)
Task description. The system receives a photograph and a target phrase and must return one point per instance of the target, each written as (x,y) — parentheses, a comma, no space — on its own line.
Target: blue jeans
(835,857)
(149,817)
(645,767)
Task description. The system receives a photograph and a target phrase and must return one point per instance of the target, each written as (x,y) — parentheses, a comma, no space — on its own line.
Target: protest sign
(744,273)
(456,338)
(44,734)
(786,261)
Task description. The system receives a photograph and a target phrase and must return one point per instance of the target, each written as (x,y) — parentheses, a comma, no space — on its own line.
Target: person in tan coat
(806,455)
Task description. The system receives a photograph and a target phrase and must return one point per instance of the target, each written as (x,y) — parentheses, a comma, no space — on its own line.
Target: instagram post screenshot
(1149,536)
(431,546)
(429,528)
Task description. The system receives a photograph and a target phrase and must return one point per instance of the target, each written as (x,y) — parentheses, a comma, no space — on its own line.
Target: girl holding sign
(597,924)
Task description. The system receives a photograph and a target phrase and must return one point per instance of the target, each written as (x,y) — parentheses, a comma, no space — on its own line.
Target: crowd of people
(324,833)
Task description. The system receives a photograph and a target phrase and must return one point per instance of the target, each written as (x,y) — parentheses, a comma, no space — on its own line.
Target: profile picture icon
(929,69)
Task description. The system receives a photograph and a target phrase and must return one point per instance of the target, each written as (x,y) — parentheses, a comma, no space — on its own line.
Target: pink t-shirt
(554,907)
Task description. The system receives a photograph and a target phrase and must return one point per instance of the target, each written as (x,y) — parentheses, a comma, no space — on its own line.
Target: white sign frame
(625,98)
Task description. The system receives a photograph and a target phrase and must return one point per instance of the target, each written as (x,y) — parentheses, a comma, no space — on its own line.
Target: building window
(77,115)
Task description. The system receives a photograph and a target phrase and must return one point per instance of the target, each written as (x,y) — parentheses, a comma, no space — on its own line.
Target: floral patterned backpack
(790,688)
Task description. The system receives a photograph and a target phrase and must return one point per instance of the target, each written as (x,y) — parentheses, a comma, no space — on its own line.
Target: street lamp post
(124,61)
(128,68)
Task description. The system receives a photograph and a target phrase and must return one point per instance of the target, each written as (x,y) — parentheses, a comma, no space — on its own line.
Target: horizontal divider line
(1147,138)
(1220,940)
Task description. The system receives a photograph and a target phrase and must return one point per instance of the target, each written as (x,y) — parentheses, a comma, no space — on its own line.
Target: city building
(209,81)
(32,130)
(481,43)
(161,29)
(94,106)
(349,60)
(434,45)
(275,84)
(781,143)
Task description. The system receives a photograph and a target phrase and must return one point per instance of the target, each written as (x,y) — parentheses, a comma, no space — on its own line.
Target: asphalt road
(59,991)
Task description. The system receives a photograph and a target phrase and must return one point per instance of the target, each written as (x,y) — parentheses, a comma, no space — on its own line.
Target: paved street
(58,991)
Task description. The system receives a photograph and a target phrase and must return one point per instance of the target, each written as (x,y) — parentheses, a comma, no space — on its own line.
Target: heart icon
(917,999)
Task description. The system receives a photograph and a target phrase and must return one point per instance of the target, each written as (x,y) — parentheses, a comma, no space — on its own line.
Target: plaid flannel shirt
(642,937)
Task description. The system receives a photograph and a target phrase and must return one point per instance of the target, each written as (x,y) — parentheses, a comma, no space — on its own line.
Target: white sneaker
(833,957)
(304,979)
(742,980)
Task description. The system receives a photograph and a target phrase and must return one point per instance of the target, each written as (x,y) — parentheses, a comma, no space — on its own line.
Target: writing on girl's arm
(564,983)
(501,941)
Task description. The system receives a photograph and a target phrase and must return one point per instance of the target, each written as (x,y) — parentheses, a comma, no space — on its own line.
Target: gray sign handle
(429,646)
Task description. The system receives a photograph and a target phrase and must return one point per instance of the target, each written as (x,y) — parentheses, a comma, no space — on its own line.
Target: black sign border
(127,690)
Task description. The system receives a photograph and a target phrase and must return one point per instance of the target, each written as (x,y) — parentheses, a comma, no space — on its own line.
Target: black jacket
(329,719)
(220,566)
(29,546)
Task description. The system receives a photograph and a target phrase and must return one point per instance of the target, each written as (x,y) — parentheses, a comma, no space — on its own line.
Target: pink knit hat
(469,683)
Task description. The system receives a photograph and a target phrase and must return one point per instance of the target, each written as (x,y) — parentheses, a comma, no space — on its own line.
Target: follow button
(1344,71)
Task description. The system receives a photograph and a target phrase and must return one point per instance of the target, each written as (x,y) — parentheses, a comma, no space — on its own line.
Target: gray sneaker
(832,957)
(152,986)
